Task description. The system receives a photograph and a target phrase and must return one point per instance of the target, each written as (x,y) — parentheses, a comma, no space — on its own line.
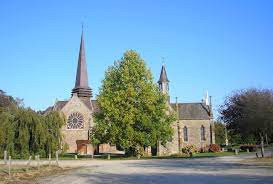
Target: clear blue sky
(211,45)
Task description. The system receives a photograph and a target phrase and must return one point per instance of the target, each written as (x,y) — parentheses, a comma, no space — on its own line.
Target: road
(220,170)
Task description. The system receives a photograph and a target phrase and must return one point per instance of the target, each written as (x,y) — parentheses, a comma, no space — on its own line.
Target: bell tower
(163,82)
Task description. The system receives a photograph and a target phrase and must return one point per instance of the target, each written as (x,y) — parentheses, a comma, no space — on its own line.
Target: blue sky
(214,45)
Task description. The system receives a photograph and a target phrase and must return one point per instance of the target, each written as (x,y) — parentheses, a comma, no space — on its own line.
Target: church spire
(163,75)
(81,85)
(163,82)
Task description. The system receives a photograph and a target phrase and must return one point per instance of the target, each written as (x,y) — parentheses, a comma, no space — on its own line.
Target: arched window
(75,121)
(185,133)
(203,133)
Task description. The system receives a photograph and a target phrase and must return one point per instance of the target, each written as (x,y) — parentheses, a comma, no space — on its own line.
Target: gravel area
(220,170)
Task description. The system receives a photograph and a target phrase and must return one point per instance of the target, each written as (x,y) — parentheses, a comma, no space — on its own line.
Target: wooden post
(5,157)
(49,159)
(38,159)
(57,158)
(9,166)
(28,163)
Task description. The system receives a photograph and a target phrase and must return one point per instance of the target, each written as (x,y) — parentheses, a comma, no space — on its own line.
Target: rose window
(75,121)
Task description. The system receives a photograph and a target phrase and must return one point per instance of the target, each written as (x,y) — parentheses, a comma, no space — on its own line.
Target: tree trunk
(266,140)
(262,144)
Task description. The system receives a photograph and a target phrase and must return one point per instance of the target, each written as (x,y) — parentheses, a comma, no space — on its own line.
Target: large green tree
(133,112)
(220,133)
(24,132)
(249,114)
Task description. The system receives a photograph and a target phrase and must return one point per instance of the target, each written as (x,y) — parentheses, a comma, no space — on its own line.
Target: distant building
(195,125)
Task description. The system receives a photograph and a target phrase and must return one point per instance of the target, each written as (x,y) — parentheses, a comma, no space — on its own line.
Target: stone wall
(194,132)
(194,136)
(72,135)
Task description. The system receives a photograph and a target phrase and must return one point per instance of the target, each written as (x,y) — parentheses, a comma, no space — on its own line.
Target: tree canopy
(133,112)
(249,114)
(24,132)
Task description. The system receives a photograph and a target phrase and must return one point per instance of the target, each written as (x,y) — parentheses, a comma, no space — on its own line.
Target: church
(194,125)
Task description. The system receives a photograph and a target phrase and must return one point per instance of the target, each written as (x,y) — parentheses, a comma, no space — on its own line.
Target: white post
(108,157)
(236,151)
(5,157)
(9,166)
(76,157)
(57,158)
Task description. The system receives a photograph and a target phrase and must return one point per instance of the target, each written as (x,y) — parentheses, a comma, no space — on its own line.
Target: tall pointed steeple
(163,81)
(81,85)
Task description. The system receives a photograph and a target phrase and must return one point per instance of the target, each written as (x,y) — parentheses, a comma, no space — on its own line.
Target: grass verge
(175,156)
(20,174)
(266,161)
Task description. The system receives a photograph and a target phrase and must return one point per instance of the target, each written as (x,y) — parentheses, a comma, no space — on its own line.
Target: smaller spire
(163,75)
(207,98)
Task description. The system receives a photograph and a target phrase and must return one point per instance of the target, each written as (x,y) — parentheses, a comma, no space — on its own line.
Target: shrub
(214,148)
(204,149)
(190,149)
(250,147)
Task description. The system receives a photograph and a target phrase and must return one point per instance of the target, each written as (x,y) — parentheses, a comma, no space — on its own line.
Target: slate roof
(163,75)
(192,111)
(59,105)
(81,86)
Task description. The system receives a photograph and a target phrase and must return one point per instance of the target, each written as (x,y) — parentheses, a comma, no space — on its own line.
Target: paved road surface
(221,170)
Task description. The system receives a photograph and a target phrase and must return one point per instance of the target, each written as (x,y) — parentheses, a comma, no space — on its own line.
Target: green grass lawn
(122,157)
(218,154)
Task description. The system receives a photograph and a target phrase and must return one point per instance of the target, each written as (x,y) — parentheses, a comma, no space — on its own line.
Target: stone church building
(194,124)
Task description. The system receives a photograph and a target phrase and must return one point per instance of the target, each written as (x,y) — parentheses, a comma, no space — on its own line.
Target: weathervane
(163,60)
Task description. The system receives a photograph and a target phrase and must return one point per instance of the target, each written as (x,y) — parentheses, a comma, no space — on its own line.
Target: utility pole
(178,127)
